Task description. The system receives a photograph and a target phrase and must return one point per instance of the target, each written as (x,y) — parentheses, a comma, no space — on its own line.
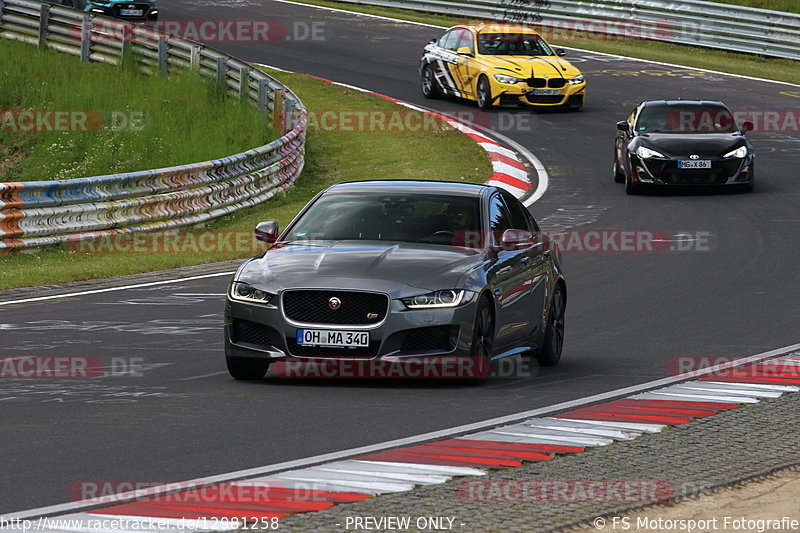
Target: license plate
(131,12)
(324,337)
(696,163)
(547,92)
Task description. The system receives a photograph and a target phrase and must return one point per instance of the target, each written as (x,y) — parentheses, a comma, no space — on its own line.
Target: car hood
(702,144)
(533,66)
(399,269)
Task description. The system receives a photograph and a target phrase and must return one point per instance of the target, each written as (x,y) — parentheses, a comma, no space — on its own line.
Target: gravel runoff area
(688,460)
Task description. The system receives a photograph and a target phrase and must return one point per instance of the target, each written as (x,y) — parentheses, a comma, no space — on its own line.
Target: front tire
(482,346)
(631,187)
(484,92)
(619,177)
(553,344)
(430,87)
(246,368)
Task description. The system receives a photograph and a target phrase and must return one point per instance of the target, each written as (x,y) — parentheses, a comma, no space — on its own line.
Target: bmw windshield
(414,218)
(512,44)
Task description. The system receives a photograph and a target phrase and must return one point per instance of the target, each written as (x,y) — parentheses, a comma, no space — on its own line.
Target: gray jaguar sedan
(393,270)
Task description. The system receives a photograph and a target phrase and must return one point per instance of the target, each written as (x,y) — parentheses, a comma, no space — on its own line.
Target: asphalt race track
(180,416)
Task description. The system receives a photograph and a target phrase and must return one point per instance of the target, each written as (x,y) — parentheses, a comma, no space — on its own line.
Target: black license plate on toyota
(325,337)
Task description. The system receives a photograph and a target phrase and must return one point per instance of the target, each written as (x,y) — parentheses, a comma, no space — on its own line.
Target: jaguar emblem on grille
(334,303)
(372,316)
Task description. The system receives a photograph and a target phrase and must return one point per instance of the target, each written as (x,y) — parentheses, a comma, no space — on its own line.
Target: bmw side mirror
(622,125)
(561,52)
(747,126)
(465,51)
(267,231)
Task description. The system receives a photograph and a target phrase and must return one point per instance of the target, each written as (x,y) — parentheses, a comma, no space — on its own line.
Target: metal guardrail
(693,22)
(39,213)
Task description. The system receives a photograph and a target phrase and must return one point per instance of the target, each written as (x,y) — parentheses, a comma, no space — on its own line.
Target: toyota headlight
(577,80)
(739,153)
(502,78)
(439,299)
(242,292)
(647,153)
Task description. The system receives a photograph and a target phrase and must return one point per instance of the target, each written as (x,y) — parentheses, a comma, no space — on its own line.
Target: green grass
(136,122)
(707,58)
(331,157)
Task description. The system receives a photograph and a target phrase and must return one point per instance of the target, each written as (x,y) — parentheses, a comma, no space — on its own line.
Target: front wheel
(484,94)
(630,186)
(430,87)
(482,341)
(550,353)
(246,368)
(619,177)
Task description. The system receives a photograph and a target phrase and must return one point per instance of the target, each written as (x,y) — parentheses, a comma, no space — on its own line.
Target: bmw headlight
(243,292)
(439,299)
(647,153)
(739,153)
(577,80)
(502,78)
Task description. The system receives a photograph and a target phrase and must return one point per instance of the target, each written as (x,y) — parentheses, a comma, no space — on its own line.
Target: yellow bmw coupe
(500,65)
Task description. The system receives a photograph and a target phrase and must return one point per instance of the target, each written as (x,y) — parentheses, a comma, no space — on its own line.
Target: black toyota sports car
(683,143)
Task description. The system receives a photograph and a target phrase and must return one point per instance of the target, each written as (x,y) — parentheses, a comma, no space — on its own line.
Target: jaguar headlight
(502,78)
(647,153)
(242,292)
(739,153)
(439,299)
(577,80)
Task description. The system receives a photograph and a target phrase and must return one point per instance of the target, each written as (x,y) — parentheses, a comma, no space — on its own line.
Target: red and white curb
(509,170)
(278,495)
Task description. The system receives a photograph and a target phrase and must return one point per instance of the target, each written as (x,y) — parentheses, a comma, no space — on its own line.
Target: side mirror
(465,51)
(267,231)
(747,126)
(561,52)
(622,125)
(514,239)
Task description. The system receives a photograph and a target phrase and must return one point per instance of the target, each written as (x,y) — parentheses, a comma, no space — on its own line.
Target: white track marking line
(485,426)
(111,289)
(203,376)
(410,22)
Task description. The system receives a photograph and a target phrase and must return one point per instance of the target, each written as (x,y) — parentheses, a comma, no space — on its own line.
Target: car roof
(679,103)
(498,28)
(428,186)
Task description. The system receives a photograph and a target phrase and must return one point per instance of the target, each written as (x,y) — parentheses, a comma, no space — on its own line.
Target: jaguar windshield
(414,218)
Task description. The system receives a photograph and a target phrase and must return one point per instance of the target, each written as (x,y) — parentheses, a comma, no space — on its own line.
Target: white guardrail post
(693,22)
(40,213)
